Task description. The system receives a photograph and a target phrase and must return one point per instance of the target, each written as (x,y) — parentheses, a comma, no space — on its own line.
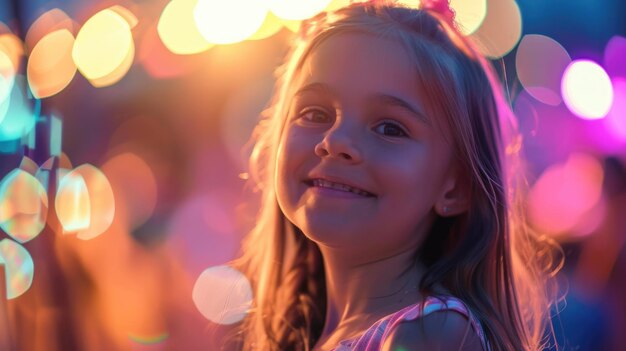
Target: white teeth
(326,184)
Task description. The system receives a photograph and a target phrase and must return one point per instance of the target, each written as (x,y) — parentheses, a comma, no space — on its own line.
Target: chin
(332,233)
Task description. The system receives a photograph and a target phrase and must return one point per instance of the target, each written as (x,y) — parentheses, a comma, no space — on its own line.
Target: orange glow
(50,66)
(104,48)
(48,22)
(177,28)
(23,205)
(501,29)
(134,186)
(297,10)
(224,22)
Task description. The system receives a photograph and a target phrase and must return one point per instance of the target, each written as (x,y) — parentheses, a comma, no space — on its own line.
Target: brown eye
(390,129)
(314,115)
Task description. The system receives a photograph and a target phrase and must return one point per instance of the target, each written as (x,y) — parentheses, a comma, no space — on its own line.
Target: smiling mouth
(322,183)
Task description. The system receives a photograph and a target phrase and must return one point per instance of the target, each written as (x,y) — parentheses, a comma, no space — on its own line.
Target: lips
(335,185)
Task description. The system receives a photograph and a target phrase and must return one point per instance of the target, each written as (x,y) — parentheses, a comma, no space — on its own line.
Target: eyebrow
(392,100)
(315,87)
(382,98)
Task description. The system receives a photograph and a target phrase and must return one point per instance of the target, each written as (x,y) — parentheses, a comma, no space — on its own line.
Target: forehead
(356,64)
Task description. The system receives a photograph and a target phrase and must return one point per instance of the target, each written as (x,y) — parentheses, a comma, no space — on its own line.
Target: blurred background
(122,125)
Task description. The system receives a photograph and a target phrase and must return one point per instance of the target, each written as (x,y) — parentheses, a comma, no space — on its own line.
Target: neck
(359,292)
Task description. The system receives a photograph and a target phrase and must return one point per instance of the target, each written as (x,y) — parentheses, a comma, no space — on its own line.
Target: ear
(454,197)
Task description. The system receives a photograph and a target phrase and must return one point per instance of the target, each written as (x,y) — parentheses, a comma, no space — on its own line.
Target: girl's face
(360,166)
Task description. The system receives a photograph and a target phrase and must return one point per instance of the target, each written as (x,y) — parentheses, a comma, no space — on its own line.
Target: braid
(299,318)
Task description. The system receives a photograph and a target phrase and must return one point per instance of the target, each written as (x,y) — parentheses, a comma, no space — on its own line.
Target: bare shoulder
(441,330)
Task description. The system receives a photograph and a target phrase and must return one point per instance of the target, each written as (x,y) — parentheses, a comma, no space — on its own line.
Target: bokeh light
(23,205)
(19,268)
(134,187)
(540,62)
(72,203)
(222,294)
(615,57)
(469,14)
(104,48)
(564,194)
(177,28)
(224,22)
(587,89)
(126,14)
(50,66)
(297,10)
(50,21)
(271,25)
(500,30)
(13,47)
(19,118)
(85,203)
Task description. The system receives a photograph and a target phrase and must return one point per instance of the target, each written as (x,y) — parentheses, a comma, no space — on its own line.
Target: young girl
(390,217)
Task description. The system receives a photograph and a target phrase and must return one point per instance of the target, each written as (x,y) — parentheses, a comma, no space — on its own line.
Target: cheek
(411,183)
(290,157)
(281,173)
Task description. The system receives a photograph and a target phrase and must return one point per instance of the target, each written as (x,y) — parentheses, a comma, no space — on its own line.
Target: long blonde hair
(487,257)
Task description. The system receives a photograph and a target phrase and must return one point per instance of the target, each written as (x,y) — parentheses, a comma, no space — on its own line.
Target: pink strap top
(375,336)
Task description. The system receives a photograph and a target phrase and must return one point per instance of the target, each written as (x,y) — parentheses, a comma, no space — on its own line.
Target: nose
(339,144)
